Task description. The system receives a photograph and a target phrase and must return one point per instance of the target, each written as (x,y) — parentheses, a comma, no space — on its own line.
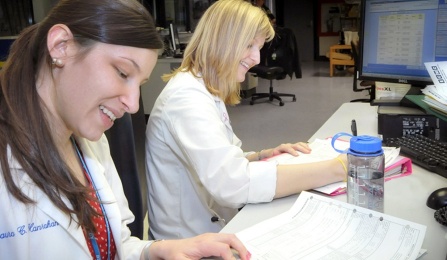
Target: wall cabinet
(350,17)
(336,16)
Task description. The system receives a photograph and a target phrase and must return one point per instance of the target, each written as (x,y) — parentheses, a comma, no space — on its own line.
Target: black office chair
(364,85)
(127,147)
(269,73)
(279,58)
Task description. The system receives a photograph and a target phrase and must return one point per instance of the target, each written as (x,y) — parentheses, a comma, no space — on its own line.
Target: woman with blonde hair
(198,176)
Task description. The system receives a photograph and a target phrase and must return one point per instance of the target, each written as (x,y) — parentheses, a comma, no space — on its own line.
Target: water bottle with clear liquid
(366,164)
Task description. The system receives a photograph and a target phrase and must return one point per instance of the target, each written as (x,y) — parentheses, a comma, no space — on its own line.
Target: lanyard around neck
(90,234)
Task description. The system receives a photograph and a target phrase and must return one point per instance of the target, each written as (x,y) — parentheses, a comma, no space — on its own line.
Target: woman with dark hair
(66,80)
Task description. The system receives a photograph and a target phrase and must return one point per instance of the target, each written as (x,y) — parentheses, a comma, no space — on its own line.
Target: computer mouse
(437,199)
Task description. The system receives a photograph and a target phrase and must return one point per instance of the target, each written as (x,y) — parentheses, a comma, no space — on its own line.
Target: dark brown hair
(24,130)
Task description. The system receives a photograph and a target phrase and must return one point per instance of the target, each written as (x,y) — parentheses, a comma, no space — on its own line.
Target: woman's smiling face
(251,57)
(92,91)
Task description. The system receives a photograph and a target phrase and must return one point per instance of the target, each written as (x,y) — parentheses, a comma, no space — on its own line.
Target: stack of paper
(436,95)
(317,227)
(395,165)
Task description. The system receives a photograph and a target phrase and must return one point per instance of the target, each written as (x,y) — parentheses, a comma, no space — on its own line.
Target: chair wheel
(252,103)
(294,99)
(281,103)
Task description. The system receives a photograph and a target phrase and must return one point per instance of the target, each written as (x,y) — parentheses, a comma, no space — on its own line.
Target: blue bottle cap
(365,145)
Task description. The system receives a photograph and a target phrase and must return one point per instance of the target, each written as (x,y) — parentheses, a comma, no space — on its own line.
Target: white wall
(326,42)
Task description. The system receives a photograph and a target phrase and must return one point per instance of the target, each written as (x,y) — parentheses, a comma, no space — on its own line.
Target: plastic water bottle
(366,164)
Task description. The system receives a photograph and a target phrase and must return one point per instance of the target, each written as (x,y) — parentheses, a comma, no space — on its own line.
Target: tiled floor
(266,124)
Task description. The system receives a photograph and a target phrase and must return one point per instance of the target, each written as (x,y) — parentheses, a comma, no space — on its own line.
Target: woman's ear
(58,41)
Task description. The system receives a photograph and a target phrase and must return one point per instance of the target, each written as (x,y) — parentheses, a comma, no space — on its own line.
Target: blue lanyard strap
(90,234)
(95,246)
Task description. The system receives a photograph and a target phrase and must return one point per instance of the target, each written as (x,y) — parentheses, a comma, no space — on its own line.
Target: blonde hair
(218,43)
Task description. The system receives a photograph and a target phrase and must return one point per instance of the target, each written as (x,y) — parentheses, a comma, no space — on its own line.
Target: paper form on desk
(322,150)
(436,95)
(438,73)
(318,227)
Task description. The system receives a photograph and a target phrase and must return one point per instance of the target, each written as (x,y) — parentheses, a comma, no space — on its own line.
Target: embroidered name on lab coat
(28,228)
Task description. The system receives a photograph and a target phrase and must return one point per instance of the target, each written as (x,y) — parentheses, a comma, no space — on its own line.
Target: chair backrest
(282,52)
(127,147)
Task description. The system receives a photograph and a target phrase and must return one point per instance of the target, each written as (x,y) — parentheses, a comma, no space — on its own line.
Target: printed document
(438,73)
(436,95)
(317,227)
(322,150)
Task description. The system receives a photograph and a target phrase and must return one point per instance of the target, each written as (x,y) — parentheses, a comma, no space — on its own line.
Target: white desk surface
(404,197)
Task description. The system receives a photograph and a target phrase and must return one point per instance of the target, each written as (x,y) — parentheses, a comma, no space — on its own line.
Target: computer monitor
(398,36)
(5,44)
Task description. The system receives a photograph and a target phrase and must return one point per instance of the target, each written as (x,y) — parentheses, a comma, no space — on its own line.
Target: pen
(354,127)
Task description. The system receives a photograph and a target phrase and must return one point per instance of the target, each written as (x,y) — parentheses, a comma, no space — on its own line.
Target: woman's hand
(293,149)
(206,245)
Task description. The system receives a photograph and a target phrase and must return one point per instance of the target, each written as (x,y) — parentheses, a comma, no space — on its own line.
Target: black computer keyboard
(428,153)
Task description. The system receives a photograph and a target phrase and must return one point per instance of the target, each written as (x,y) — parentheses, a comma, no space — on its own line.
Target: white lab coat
(42,231)
(195,167)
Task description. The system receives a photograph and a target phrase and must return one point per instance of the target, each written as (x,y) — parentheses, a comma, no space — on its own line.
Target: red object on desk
(402,167)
